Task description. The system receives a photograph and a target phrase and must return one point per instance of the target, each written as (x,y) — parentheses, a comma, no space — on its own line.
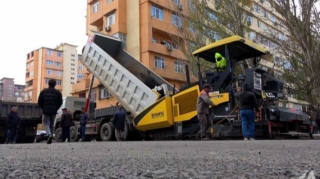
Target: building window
(111,19)
(49,62)
(79,57)
(177,2)
(46,81)
(259,23)
(95,7)
(49,52)
(80,76)
(272,18)
(72,64)
(58,64)
(80,67)
(159,62)
(257,8)
(109,1)
(157,13)
(73,60)
(72,78)
(59,54)
(31,73)
(16,93)
(59,73)
(49,72)
(93,95)
(252,35)
(72,55)
(72,69)
(22,94)
(59,82)
(104,93)
(72,83)
(176,20)
(250,20)
(82,95)
(178,67)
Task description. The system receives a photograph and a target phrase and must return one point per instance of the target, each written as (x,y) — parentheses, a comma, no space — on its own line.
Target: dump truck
(157,110)
(30,114)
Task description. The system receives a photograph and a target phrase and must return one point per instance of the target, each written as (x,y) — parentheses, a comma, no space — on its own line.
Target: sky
(27,25)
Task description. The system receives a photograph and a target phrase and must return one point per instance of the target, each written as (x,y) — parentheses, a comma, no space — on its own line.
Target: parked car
(41,136)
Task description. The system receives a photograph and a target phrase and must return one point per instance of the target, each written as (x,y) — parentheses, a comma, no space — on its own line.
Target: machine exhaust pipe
(187,74)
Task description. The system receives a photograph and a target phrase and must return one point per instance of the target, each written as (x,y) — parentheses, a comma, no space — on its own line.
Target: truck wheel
(58,135)
(73,134)
(125,133)
(106,132)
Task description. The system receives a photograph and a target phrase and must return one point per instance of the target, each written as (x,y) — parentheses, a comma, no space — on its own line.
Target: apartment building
(43,64)
(144,27)
(147,27)
(10,91)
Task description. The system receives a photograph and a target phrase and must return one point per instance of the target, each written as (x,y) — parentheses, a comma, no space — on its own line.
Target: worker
(119,121)
(248,103)
(83,122)
(66,123)
(203,112)
(221,64)
(13,121)
(50,100)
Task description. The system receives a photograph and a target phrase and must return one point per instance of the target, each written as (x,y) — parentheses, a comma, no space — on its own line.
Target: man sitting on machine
(221,64)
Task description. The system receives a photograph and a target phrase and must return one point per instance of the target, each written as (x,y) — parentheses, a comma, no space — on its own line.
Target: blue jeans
(83,132)
(12,134)
(247,118)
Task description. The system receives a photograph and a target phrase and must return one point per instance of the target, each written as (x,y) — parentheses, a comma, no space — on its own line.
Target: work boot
(7,141)
(246,138)
(49,141)
(252,139)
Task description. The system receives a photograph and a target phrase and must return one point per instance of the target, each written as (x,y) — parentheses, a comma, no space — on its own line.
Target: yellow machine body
(168,110)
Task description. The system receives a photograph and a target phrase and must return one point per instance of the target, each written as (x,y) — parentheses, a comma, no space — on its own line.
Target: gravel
(163,159)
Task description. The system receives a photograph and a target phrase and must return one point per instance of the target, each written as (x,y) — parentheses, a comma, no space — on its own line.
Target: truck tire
(106,132)
(74,134)
(58,135)
(125,135)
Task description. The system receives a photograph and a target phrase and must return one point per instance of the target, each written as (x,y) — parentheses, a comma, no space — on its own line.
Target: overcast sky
(27,25)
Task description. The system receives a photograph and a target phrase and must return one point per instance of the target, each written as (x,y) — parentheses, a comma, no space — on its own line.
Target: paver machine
(272,120)
(156,113)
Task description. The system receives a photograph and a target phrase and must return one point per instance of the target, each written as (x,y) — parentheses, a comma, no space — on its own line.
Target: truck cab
(74,105)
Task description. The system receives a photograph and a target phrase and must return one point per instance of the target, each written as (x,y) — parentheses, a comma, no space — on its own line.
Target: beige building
(45,63)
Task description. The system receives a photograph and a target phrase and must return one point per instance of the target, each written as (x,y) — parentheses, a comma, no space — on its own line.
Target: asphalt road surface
(164,159)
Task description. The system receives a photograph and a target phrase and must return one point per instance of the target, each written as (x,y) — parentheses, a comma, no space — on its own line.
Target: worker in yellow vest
(221,64)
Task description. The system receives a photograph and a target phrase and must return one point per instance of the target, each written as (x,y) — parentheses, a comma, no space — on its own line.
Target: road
(163,159)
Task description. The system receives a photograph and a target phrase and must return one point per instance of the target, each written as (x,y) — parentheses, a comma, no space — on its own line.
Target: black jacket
(50,101)
(66,120)
(13,119)
(247,98)
(119,119)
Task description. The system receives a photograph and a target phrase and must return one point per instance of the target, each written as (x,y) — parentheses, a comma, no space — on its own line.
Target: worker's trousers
(205,123)
(247,118)
(48,121)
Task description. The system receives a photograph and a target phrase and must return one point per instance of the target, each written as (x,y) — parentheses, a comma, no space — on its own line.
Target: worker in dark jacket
(13,122)
(83,122)
(203,103)
(66,123)
(50,100)
(119,121)
(248,104)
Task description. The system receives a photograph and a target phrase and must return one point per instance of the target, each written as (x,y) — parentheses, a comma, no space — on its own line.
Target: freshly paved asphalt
(163,159)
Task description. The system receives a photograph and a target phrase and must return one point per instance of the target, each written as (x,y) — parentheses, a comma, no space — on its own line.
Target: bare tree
(300,47)
(204,22)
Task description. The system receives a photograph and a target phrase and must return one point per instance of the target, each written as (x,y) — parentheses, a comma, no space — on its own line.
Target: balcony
(166,50)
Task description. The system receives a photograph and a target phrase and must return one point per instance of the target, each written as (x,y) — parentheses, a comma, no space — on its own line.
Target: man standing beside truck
(13,121)
(119,120)
(50,100)
(66,123)
(83,122)
(203,103)
(248,103)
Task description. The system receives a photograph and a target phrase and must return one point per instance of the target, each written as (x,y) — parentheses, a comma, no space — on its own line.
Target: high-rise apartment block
(60,63)
(147,27)
(10,91)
